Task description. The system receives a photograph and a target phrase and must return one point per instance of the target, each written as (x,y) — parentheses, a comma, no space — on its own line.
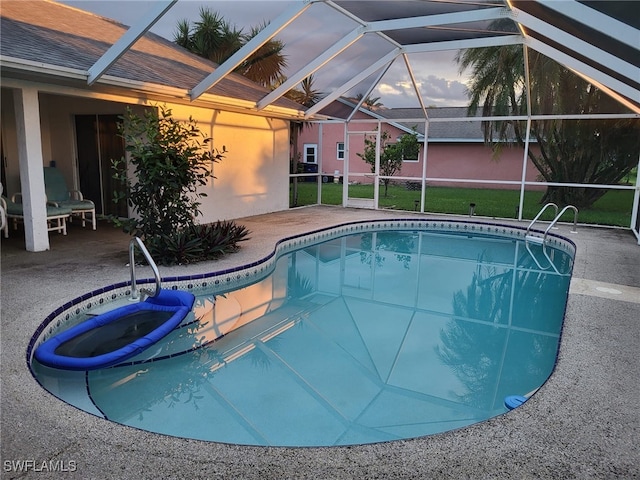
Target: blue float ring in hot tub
(167,301)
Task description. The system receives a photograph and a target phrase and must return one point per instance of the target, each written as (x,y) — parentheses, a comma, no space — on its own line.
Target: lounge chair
(59,195)
(4,224)
(56,216)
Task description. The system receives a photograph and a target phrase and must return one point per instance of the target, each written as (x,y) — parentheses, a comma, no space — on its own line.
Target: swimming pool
(362,333)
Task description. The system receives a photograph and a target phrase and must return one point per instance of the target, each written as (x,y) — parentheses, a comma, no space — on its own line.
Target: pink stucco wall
(444,160)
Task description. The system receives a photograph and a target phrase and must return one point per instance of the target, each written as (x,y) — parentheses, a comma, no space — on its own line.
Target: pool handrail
(144,293)
(535,219)
(555,220)
(543,239)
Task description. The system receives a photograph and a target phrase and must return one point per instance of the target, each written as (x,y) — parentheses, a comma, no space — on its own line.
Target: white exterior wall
(253,176)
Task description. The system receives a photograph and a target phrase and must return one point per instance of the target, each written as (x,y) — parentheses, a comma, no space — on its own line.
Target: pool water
(364,338)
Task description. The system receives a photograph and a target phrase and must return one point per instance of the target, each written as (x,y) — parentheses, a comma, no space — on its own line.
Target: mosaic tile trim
(76,310)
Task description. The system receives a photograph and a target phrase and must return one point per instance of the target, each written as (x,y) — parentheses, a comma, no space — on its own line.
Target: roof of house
(43,33)
(460,131)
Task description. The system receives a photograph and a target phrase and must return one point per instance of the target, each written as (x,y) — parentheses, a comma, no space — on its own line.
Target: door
(98,142)
(310,163)
(310,153)
(361,184)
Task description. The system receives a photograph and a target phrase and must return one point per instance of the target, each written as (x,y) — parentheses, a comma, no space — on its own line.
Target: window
(340,150)
(310,153)
(410,148)
(410,156)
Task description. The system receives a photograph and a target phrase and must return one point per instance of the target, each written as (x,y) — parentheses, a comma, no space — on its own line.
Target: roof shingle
(51,33)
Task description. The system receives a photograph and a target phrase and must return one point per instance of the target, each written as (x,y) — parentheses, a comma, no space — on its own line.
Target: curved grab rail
(555,213)
(543,239)
(555,220)
(144,293)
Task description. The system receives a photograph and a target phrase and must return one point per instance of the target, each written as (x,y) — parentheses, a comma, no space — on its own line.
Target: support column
(27,108)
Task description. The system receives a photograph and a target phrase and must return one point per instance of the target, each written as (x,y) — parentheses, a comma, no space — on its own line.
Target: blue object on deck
(112,337)
(513,401)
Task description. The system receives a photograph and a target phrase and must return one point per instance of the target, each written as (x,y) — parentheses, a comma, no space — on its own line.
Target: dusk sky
(306,37)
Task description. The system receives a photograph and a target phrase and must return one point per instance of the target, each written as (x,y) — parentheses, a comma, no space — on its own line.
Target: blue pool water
(363,338)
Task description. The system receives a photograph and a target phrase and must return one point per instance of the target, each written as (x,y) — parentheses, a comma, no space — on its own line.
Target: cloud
(436,76)
(443,90)
(385,89)
(435,91)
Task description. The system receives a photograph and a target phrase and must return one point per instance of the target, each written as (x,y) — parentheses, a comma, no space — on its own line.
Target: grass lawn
(614,208)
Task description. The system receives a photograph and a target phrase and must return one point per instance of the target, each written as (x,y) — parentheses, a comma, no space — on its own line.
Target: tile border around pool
(239,276)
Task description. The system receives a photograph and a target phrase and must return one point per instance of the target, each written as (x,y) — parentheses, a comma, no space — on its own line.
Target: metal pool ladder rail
(537,239)
(144,293)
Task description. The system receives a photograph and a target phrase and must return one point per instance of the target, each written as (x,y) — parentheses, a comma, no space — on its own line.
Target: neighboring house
(51,115)
(455,150)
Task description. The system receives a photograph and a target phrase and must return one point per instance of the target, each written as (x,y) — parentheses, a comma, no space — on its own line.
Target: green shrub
(170,159)
(197,243)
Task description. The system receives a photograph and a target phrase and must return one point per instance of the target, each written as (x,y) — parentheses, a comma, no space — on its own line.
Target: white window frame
(340,152)
(411,160)
(314,148)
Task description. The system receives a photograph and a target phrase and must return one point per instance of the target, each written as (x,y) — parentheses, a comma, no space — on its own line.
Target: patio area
(583,423)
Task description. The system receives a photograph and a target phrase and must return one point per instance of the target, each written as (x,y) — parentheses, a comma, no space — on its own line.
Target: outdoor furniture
(59,195)
(56,216)
(4,224)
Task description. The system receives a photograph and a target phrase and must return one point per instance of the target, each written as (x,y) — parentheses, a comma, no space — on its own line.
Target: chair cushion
(57,211)
(15,209)
(55,185)
(77,204)
(11,207)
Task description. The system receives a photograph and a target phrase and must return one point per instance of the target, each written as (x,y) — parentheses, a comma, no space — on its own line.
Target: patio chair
(56,216)
(59,195)
(4,224)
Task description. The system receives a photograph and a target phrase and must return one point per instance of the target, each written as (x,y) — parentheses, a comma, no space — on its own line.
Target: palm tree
(497,75)
(307,96)
(215,39)
(211,37)
(568,151)
(369,102)
(265,66)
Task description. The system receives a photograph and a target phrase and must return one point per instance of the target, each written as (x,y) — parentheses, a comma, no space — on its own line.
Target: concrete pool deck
(583,423)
